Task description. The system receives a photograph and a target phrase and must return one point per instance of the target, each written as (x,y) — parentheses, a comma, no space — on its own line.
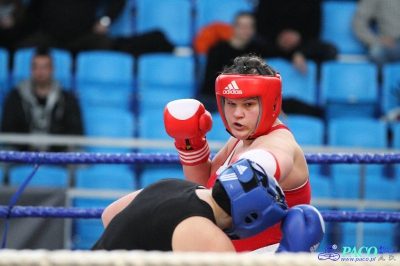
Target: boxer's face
(242,116)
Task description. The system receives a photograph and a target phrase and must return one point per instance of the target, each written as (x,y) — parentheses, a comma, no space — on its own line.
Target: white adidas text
(232,88)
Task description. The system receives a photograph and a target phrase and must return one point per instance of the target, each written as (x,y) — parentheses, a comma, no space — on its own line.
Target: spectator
(70,24)
(12,13)
(242,42)
(383,41)
(292,28)
(40,106)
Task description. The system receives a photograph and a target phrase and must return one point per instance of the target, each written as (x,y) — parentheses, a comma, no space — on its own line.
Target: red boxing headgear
(268,89)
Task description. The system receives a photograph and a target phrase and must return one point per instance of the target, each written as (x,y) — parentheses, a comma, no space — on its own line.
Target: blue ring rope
(167,158)
(90,213)
(38,158)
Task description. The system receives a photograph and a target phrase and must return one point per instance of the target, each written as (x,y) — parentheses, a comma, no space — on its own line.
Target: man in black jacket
(40,106)
(293,28)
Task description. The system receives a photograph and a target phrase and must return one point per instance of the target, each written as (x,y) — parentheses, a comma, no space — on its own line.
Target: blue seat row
(343,181)
(182,19)
(107,78)
(178,19)
(344,88)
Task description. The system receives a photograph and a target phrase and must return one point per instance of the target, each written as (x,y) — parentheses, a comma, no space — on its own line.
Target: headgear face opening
(268,89)
(257,202)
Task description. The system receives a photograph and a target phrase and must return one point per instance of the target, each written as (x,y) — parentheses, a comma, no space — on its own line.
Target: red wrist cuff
(194,157)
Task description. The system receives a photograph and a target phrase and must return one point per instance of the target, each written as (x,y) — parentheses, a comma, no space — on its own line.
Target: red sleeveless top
(273,235)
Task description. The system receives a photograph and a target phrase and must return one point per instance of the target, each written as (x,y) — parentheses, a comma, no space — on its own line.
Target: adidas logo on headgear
(232,88)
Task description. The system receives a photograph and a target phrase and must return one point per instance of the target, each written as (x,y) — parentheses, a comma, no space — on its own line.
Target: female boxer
(249,95)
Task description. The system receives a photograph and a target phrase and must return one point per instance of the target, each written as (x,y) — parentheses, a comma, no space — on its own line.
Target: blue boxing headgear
(256,200)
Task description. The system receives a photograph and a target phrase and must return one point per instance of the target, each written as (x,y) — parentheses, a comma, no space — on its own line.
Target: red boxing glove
(187,121)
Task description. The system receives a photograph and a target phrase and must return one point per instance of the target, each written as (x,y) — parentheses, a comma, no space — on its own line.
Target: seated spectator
(242,42)
(70,24)
(292,28)
(40,106)
(377,25)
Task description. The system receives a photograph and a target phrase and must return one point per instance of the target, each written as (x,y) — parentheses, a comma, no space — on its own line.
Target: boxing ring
(82,257)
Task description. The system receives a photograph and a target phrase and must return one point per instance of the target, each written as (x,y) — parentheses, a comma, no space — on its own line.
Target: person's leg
(295,106)
(384,54)
(379,55)
(394,54)
(319,51)
(89,41)
(37,38)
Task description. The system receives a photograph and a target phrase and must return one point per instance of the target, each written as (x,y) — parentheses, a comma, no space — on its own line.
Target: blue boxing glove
(302,230)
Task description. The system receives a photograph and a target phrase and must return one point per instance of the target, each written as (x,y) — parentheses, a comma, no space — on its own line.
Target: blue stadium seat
(118,97)
(151,126)
(218,131)
(2,175)
(355,133)
(4,73)
(107,176)
(396,135)
(366,133)
(390,87)
(108,123)
(296,84)
(321,186)
(337,27)
(361,133)
(396,145)
(209,11)
(173,17)
(105,79)
(349,89)
(45,176)
(153,173)
(373,233)
(164,77)
(308,131)
(113,177)
(86,232)
(381,188)
(62,60)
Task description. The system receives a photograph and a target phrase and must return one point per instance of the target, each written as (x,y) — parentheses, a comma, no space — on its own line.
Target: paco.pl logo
(356,254)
